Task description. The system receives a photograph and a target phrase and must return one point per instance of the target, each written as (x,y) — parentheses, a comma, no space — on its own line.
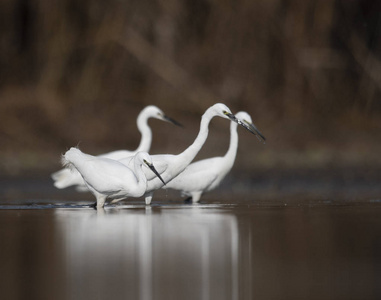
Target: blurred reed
(309,73)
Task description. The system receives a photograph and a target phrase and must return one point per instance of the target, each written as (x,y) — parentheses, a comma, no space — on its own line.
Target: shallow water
(177,251)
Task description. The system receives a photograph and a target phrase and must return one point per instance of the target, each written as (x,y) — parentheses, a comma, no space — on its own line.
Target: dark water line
(42,206)
(134,205)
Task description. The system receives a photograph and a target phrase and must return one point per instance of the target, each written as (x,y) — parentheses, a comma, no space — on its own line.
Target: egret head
(143,158)
(146,159)
(221,110)
(154,112)
(244,120)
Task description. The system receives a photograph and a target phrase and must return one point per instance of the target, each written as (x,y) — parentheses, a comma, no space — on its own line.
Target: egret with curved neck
(169,166)
(205,175)
(65,178)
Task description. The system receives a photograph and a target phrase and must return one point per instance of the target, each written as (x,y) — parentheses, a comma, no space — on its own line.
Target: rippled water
(177,251)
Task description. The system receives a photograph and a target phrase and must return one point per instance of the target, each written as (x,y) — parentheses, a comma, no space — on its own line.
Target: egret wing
(198,180)
(106,175)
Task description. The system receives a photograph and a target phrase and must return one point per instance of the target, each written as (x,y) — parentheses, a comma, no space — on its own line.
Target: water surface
(177,251)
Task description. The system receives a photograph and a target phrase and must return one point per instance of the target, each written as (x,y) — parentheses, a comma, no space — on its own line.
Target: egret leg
(148,198)
(196,197)
(101,199)
(101,211)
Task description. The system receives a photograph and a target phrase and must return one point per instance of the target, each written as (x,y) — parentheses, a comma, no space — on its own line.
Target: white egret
(205,175)
(65,178)
(169,166)
(108,178)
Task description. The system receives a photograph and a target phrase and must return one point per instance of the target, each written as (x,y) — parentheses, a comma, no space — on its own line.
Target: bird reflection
(149,251)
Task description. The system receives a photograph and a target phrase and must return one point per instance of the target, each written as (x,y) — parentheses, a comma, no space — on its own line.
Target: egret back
(198,176)
(119,154)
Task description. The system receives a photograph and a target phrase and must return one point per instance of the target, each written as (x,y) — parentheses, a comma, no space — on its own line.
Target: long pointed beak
(254,130)
(257,133)
(170,120)
(156,172)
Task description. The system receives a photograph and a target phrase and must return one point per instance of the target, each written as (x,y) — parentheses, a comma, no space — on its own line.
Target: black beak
(255,131)
(249,126)
(170,120)
(156,173)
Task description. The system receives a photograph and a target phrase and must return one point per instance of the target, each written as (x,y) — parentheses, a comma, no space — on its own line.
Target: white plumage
(65,178)
(169,166)
(108,178)
(205,175)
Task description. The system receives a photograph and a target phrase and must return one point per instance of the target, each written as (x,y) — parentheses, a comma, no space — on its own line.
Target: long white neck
(190,153)
(141,178)
(230,155)
(145,130)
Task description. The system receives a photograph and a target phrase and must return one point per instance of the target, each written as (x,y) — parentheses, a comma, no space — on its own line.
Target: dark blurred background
(308,72)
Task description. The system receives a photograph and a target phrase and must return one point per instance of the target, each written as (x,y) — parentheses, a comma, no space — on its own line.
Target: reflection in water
(150,252)
(191,252)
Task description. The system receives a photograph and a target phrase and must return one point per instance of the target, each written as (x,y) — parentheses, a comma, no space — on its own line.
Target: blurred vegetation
(309,73)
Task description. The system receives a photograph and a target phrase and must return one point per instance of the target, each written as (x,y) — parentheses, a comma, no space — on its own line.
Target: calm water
(209,251)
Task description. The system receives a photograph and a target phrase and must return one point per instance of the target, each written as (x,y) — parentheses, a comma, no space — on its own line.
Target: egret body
(65,178)
(169,166)
(205,175)
(108,178)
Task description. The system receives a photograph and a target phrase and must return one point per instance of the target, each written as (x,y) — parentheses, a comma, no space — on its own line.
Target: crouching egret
(169,166)
(108,178)
(205,175)
(65,178)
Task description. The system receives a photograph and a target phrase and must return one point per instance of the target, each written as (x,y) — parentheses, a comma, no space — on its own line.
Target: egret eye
(146,162)
(225,112)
